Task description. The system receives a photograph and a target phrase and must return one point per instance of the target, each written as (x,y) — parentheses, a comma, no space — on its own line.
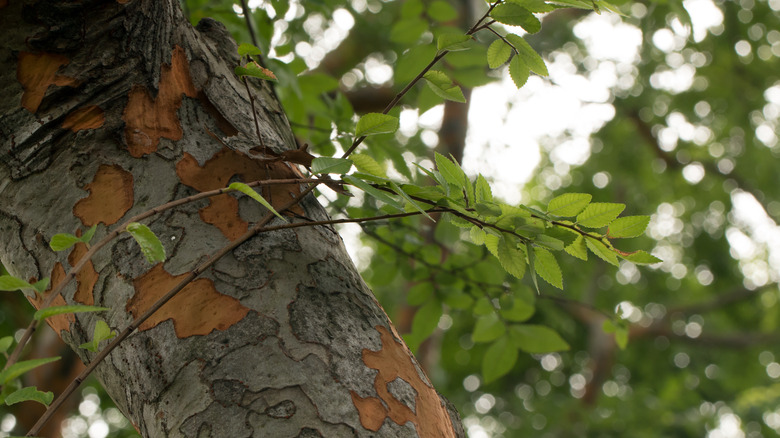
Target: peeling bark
(105,112)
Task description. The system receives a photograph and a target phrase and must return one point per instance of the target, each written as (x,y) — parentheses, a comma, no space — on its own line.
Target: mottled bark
(105,112)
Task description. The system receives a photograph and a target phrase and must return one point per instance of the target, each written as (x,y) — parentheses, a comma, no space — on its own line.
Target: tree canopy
(660,115)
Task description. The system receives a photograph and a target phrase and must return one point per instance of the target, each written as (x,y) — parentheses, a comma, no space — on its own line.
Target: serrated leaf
(29,393)
(488,328)
(376,123)
(372,191)
(477,235)
(442,85)
(602,251)
(536,339)
(339,166)
(511,258)
(599,214)
(549,242)
(482,190)
(568,204)
(453,42)
(491,243)
(245,189)
(534,5)
(151,247)
(528,55)
(532,265)
(516,15)
(367,164)
(255,70)
(63,241)
(248,49)
(498,53)
(628,226)
(499,359)
(22,367)
(640,257)
(58,310)
(102,332)
(5,343)
(578,248)
(519,72)
(547,267)
(565,235)
(10,283)
(450,170)
(409,200)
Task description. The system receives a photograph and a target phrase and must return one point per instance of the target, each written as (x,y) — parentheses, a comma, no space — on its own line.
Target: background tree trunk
(105,112)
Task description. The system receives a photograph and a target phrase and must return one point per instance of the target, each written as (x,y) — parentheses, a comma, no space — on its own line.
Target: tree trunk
(106,110)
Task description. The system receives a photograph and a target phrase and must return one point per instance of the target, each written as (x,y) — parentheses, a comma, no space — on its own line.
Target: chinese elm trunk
(107,109)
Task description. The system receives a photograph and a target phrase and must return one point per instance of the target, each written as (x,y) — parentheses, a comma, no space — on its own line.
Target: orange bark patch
(62,321)
(86,278)
(110,196)
(36,72)
(148,118)
(394,361)
(198,309)
(216,173)
(88,117)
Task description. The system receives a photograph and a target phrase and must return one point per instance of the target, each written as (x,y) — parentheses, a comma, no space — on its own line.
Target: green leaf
(148,241)
(9,283)
(450,170)
(254,70)
(376,123)
(408,31)
(102,332)
(442,85)
(425,321)
(482,190)
(640,257)
(411,201)
(516,15)
(378,194)
(528,55)
(620,331)
(518,311)
(519,72)
(458,300)
(488,328)
(578,248)
(491,243)
(30,393)
(5,343)
(453,42)
(22,367)
(87,236)
(532,265)
(248,49)
(498,53)
(628,226)
(534,5)
(419,293)
(568,204)
(245,189)
(339,166)
(58,310)
(63,241)
(441,10)
(499,359)
(41,285)
(547,267)
(549,242)
(536,339)
(511,258)
(477,235)
(599,214)
(367,164)
(602,251)
(483,307)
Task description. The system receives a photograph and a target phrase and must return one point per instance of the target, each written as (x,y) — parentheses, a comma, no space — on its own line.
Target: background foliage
(685,130)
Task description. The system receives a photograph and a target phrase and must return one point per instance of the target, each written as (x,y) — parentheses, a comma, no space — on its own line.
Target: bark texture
(105,112)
